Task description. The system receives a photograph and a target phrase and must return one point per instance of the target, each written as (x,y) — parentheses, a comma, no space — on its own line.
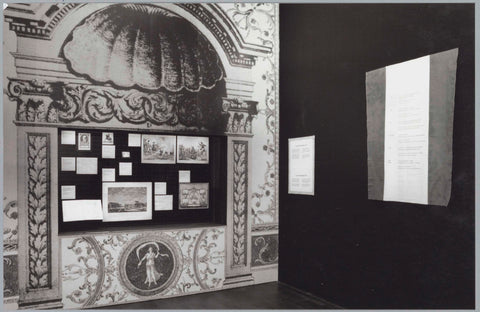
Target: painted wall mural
(195,259)
(257,24)
(264,250)
(119,268)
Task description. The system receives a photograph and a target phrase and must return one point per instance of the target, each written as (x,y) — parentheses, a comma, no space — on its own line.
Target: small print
(68,192)
(193,196)
(160,188)
(125,169)
(87,165)
(134,140)
(108,174)
(107,137)
(84,141)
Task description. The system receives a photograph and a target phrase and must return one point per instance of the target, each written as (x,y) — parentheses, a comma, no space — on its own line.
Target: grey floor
(263,296)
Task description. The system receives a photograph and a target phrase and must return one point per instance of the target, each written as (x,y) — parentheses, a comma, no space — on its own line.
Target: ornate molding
(206,257)
(41,101)
(240,202)
(38,207)
(89,264)
(240,115)
(40,21)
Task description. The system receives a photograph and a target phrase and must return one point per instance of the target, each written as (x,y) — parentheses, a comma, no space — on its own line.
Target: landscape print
(158,149)
(127,201)
(192,150)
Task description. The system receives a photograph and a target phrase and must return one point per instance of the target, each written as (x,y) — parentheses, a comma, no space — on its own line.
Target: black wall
(338,245)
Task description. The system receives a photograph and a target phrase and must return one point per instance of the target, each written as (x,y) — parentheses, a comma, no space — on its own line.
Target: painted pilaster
(38,248)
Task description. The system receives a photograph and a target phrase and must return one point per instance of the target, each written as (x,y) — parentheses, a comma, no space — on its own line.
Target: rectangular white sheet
(406,131)
(163,202)
(108,151)
(68,137)
(87,165)
(108,174)
(79,210)
(68,192)
(160,188)
(301,165)
(134,139)
(68,163)
(125,168)
(183,176)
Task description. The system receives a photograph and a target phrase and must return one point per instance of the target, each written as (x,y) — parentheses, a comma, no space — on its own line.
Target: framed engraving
(127,201)
(193,196)
(192,150)
(84,141)
(158,149)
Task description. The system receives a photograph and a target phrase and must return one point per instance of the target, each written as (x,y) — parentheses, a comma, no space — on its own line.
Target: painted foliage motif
(105,269)
(257,23)
(264,250)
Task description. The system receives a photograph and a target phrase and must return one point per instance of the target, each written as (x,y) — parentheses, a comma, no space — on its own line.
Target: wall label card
(108,151)
(160,188)
(301,165)
(80,210)
(87,165)
(183,176)
(68,163)
(125,168)
(68,192)
(134,140)
(163,202)
(126,154)
(108,174)
(68,137)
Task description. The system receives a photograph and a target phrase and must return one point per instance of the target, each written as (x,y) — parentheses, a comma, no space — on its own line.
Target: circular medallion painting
(150,264)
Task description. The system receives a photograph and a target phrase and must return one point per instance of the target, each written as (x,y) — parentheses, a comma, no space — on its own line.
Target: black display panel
(355,252)
(90,186)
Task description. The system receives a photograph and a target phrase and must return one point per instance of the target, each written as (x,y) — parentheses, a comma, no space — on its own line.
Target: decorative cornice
(46,102)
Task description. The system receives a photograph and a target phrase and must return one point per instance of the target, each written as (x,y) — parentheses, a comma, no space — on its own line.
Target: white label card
(79,210)
(183,176)
(68,192)
(163,202)
(301,165)
(160,188)
(125,168)
(87,165)
(406,131)
(108,151)
(68,163)
(108,174)
(68,137)
(134,140)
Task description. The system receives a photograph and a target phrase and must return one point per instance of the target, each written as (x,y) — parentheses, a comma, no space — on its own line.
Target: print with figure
(158,149)
(149,265)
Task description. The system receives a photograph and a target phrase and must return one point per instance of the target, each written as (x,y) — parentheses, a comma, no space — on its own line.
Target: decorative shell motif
(143,45)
